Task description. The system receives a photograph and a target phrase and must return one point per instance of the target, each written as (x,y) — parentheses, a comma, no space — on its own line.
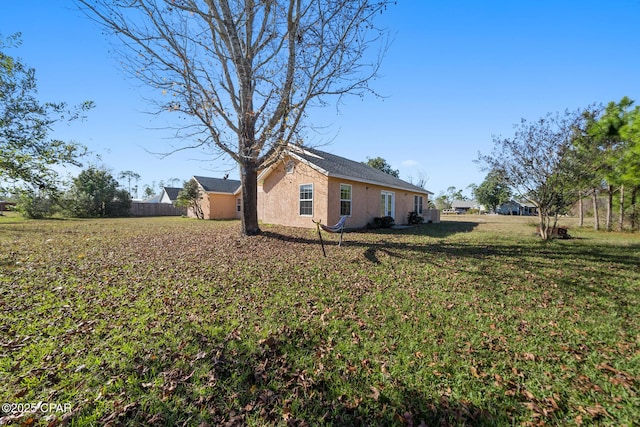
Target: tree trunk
(581,211)
(609,207)
(596,214)
(543,225)
(249,179)
(634,193)
(621,220)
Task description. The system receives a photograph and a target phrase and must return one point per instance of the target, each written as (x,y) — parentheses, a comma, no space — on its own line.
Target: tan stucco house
(311,184)
(221,198)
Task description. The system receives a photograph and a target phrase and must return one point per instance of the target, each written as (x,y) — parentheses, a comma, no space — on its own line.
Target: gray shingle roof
(172,192)
(340,167)
(218,185)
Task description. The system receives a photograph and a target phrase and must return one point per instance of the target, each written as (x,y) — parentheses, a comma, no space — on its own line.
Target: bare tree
(245,71)
(540,162)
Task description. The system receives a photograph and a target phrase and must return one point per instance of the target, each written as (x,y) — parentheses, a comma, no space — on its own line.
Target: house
(464,206)
(515,207)
(169,194)
(159,205)
(153,199)
(311,184)
(221,198)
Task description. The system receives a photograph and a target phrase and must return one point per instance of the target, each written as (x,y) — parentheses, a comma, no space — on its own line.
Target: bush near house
(414,218)
(381,222)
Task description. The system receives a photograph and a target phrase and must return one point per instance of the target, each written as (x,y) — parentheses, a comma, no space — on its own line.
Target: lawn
(172,321)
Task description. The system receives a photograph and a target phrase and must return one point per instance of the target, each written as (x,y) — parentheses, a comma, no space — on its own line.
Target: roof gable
(340,167)
(218,185)
(172,192)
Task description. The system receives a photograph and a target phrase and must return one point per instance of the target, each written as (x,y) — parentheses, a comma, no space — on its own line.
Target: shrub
(381,222)
(35,206)
(414,218)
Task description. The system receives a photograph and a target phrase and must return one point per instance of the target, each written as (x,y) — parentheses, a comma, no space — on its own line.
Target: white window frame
(389,197)
(239,204)
(350,199)
(300,199)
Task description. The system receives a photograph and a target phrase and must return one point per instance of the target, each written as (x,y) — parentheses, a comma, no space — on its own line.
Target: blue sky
(456,73)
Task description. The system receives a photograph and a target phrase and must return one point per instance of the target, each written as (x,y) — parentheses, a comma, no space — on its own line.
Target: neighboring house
(221,198)
(464,206)
(311,184)
(514,207)
(169,194)
(154,199)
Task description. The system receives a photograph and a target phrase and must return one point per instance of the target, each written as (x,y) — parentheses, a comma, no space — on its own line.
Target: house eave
(379,184)
(293,154)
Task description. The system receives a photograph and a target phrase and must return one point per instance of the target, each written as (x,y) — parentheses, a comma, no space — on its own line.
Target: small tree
(608,147)
(494,191)
(382,165)
(35,204)
(28,157)
(190,197)
(442,201)
(148,191)
(130,176)
(95,193)
(630,160)
(540,162)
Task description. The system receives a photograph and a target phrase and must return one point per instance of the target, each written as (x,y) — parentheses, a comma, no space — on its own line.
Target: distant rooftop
(218,185)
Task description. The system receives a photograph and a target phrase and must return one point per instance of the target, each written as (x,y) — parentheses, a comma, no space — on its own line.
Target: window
(345,199)
(306,199)
(238,204)
(417,204)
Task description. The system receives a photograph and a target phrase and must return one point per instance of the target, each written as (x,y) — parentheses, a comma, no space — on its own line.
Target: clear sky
(456,73)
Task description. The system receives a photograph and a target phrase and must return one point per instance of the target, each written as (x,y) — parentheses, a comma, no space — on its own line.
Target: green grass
(170,321)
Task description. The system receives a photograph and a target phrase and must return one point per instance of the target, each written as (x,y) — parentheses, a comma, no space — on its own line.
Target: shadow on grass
(265,383)
(583,267)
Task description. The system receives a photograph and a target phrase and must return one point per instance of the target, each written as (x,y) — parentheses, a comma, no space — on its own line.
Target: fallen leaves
(204,327)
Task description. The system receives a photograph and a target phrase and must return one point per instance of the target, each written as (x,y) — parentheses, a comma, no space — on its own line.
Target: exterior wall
(279,196)
(279,199)
(217,206)
(165,198)
(431,215)
(221,206)
(366,203)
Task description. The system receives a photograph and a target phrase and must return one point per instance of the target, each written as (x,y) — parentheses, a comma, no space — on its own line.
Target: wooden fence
(156,209)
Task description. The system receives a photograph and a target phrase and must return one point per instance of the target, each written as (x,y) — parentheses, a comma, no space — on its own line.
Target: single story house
(221,198)
(308,184)
(464,206)
(515,207)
